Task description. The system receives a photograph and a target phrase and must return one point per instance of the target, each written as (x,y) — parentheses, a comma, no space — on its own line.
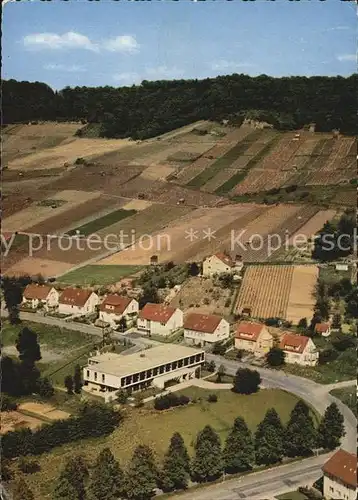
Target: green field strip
(96,274)
(225,161)
(102,222)
(241,174)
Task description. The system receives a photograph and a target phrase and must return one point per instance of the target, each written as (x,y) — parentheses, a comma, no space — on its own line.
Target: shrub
(170,400)
(227,303)
(7,403)
(206,301)
(327,355)
(28,465)
(212,398)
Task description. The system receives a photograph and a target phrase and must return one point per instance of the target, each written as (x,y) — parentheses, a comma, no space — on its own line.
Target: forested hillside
(153,108)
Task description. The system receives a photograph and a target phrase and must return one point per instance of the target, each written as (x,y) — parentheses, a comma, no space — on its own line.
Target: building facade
(40,295)
(158,319)
(201,329)
(106,373)
(253,337)
(221,263)
(340,476)
(299,349)
(76,301)
(115,307)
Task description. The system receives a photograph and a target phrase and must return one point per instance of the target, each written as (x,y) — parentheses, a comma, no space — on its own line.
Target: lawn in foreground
(292,495)
(148,426)
(348,396)
(101,222)
(98,275)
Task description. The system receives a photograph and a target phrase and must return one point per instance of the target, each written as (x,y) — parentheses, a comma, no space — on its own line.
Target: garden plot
(36,213)
(55,157)
(14,420)
(43,410)
(301,300)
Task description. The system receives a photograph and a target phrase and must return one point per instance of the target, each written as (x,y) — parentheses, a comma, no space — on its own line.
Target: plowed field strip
(301,300)
(226,160)
(265,290)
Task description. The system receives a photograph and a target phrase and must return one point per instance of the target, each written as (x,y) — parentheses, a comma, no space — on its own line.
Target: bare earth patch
(44,410)
(33,266)
(315,224)
(13,420)
(301,300)
(138,205)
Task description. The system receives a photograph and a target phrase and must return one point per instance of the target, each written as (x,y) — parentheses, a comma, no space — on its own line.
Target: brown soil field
(33,266)
(163,155)
(13,420)
(174,243)
(314,224)
(170,193)
(157,172)
(55,157)
(153,218)
(21,140)
(34,214)
(44,410)
(265,290)
(195,290)
(138,205)
(74,217)
(301,301)
(109,179)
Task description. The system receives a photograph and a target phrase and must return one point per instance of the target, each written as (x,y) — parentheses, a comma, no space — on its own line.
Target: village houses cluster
(162,320)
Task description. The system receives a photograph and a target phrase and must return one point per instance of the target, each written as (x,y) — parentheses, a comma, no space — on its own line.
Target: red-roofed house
(299,349)
(203,329)
(158,319)
(340,476)
(114,307)
(253,337)
(36,295)
(77,301)
(221,263)
(323,329)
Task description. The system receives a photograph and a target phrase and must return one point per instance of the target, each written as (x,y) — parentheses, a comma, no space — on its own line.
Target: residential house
(253,337)
(77,301)
(323,329)
(40,296)
(341,267)
(340,476)
(299,349)
(221,263)
(158,319)
(115,307)
(203,329)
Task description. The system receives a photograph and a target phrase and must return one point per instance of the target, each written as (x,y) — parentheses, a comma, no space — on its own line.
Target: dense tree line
(93,420)
(156,107)
(241,451)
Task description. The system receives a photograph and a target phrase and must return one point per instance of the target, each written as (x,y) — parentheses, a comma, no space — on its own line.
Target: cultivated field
(14,420)
(282,291)
(49,412)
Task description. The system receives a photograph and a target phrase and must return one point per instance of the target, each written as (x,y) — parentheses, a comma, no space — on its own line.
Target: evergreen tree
(142,474)
(21,491)
(69,384)
(28,346)
(122,323)
(107,480)
(331,428)
(77,380)
(221,374)
(12,297)
(300,435)
(207,464)
(246,381)
(303,324)
(194,269)
(275,356)
(64,490)
(239,448)
(269,439)
(45,388)
(176,467)
(76,473)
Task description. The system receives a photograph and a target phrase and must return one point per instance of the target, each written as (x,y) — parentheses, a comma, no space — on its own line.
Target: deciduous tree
(275,357)
(246,381)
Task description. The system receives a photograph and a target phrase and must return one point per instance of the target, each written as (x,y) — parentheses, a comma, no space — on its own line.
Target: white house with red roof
(36,295)
(220,263)
(77,301)
(205,329)
(158,319)
(340,476)
(253,337)
(299,349)
(114,307)
(323,329)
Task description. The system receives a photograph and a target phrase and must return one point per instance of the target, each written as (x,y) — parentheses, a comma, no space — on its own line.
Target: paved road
(315,394)
(263,485)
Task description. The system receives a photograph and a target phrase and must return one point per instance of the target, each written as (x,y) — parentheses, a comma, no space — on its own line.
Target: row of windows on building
(153,372)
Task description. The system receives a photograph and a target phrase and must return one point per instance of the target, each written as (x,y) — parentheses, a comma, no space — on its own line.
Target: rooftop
(226,259)
(294,343)
(115,304)
(342,465)
(121,365)
(248,331)
(206,323)
(322,327)
(75,296)
(34,291)
(157,312)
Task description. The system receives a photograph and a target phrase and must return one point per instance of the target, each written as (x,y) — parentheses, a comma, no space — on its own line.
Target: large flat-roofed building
(152,367)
